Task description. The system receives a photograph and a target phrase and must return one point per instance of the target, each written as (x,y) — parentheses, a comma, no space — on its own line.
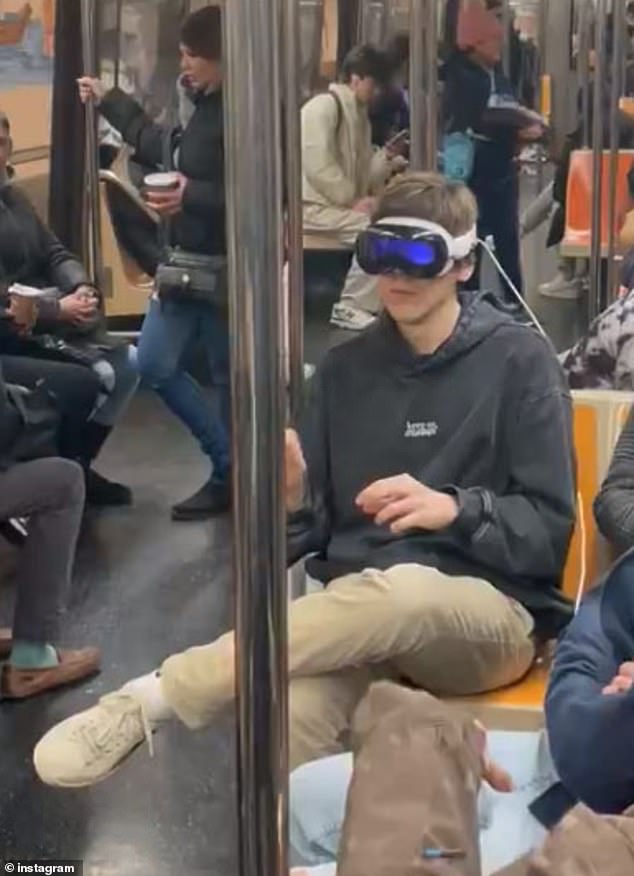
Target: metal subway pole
(595,298)
(118,26)
(254,184)
(294,223)
(544,81)
(92,232)
(619,35)
(423,84)
(584,33)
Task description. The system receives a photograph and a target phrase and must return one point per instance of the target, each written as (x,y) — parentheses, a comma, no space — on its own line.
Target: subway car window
(316,413)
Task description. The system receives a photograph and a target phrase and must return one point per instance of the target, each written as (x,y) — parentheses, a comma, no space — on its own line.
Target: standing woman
(479,101)
(196,212)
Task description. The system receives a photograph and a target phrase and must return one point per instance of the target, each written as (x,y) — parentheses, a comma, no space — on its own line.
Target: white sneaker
(346,317)
(561,287)
(92,745)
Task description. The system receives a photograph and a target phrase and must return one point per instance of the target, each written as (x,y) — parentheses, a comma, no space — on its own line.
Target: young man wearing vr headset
(433,488)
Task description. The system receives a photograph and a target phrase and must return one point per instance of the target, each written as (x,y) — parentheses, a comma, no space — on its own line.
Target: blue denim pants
(170,329)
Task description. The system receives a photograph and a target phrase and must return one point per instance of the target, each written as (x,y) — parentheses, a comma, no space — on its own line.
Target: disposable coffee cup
(161,182)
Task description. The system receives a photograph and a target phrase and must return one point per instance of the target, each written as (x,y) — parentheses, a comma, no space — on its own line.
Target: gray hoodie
(487,417)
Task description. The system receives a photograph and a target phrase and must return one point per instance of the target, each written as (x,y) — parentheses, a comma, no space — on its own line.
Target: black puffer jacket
(32,255)
(198,151)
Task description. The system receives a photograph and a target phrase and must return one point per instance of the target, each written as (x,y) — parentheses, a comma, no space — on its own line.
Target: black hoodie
(487,417)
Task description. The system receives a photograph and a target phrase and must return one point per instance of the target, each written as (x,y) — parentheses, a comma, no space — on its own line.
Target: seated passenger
(418,767)
(440,516)
(604,357)
(69,327)
(196,209)
(342,171)
(590,703)
(50,492)
(614,506)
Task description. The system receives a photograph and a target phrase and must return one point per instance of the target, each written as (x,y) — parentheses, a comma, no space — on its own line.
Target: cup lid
(160,180)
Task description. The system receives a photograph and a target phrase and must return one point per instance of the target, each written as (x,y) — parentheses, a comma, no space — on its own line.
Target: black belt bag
(190,276)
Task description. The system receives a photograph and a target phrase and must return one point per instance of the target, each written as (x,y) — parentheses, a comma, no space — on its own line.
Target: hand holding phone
(398,145)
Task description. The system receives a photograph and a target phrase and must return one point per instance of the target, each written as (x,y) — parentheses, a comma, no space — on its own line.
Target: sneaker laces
(121,709)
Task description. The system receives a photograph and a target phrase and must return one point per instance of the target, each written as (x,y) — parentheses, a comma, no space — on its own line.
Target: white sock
(148,689)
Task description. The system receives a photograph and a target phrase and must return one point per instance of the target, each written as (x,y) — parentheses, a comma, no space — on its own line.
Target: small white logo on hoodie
(421,430)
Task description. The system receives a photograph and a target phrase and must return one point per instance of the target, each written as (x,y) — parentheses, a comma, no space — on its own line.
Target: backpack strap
(337,100)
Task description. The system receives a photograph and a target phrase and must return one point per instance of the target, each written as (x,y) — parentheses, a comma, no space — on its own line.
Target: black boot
(100,492)
(212,499)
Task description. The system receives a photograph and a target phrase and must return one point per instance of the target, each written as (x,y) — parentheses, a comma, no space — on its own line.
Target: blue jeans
(170,329)
(507,829)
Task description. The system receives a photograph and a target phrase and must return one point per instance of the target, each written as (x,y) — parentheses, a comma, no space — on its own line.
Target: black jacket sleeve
(527,531)
(204,197)
(308,530)
(146,137)
(614,506)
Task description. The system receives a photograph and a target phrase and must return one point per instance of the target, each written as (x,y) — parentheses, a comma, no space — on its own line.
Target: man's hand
(295,471)
(23,312)
(623,680)
(168,203)
(492,774)
(80,306)
(91,89)
(365,205)
(403,503)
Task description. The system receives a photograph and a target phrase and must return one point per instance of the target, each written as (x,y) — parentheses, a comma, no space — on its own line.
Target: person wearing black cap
(196,208)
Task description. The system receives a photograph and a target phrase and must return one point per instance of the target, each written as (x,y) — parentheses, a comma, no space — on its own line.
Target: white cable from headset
(512,287)
(583,538)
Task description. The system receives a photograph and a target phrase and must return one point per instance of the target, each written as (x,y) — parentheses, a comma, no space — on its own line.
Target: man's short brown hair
(432,197)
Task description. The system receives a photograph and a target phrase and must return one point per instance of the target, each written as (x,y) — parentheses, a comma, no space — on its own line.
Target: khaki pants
(451,636)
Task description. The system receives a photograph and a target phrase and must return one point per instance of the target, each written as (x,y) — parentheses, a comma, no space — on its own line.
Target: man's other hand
(403,504)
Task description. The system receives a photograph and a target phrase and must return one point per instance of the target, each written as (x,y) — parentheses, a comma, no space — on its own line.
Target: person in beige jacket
(343,172)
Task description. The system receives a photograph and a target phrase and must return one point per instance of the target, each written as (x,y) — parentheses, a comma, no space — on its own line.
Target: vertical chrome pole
(430,85)
(595,298)
(544,82)
(118,25)
(295,242)
(92,233)
(423,84)
(619,35)
(416,80)
(585,23)
(254,185)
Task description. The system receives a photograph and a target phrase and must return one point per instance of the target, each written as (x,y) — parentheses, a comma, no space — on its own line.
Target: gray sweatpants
(50,492)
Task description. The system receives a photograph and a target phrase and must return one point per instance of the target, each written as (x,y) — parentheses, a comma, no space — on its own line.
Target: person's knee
(126,368)
(82,391)
(60,482)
